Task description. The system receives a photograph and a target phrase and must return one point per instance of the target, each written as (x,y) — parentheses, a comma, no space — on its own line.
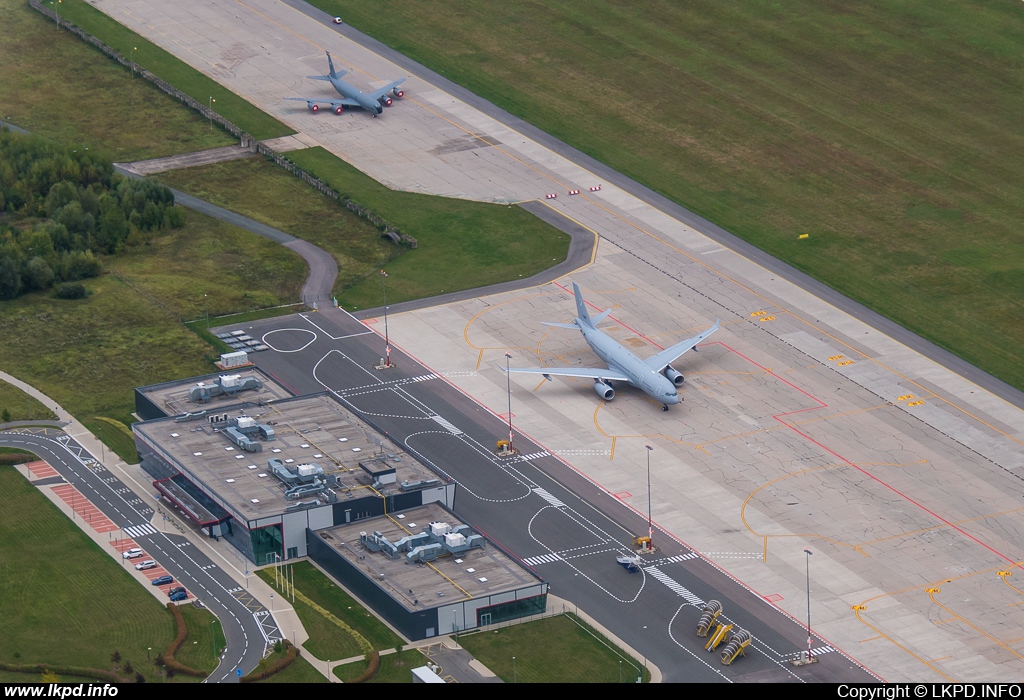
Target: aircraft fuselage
(650,381)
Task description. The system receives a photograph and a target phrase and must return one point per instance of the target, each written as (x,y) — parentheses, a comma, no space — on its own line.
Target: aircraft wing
(326,101)
(589,373)
(668,355)
(379,92)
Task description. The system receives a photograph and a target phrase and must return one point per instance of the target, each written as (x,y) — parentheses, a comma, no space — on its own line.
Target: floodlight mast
(650,522)
(508,382)
(387,340)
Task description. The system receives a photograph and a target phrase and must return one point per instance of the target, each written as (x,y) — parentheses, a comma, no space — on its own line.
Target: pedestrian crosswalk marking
(549,498)
(678,589)
(446,425)
(140,530)
(542,559)
(681,557)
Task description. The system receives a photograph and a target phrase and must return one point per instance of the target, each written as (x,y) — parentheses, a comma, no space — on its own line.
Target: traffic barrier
(551,196)
(574,191)
(595,188)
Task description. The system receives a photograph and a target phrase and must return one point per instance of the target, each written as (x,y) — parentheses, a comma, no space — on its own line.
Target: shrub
(261,672)
(173,665)
(71,290)
(372,666)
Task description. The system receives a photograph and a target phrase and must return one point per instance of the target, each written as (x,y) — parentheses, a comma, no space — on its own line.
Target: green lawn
(541,650)
(889,132)
(394,668)
(20,405)
(90,354)
(179,74)
(57,584)
(300,671)
(261,190)
(205,641)
(462,244)
(58,86)
(327,640)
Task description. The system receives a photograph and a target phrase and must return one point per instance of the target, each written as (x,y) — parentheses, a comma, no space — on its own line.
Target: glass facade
(266,543)
(512,610)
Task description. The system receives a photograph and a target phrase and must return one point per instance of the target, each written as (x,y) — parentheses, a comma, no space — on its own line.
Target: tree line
(62,207)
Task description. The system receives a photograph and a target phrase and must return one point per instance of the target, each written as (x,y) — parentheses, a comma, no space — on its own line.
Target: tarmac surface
(808,422)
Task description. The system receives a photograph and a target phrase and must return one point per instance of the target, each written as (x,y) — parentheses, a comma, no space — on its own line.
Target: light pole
(514,678)
(645,651)
(206,305)
(56,12)
(134,49)
(807,558)
(650,522)
(211,112)
(508,382)
(387,340)
(620,670)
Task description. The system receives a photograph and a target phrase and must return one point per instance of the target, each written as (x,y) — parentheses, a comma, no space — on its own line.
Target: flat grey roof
(307,429)
(447,579)
(172,397)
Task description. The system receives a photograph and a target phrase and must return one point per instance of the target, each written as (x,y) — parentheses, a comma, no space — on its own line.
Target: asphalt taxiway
(542,511)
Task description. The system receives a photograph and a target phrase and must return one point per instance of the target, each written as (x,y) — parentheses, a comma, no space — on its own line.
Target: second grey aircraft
(373,102)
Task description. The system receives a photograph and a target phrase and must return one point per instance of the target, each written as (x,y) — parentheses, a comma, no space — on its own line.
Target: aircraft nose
(672,398)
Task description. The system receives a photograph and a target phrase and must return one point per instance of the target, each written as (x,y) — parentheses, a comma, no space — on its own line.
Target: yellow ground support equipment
(737,645)
(718,636)
(643,545)
(712,609)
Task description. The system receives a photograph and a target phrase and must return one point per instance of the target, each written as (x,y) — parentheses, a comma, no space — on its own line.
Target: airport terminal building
(246,461)
(282,477)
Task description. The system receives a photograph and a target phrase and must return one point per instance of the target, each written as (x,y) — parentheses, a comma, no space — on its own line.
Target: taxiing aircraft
(655,375)
(373,102)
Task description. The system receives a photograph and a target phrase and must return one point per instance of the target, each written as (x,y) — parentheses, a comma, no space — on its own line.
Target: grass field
(55,582)
(179,74)
(90,354)
(20,405)
(889,132)
(542,650)
(57,86)
(327,640)
(462,245)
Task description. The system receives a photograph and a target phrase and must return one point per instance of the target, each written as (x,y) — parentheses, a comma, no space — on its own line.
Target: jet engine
(386,101)
(674,376)
(338,109)
(314,108)
(604,390)
(398,93)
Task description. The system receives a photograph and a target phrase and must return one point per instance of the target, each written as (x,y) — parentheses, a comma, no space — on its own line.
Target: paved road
(247,625)
(543,512)
(611,176)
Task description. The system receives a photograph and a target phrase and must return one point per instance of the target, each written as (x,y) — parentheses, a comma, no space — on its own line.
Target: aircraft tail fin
(601,316)
(581,306)
(330,63)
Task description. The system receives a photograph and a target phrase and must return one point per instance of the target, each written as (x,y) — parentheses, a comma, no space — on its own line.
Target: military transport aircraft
(655,375)
(373,102)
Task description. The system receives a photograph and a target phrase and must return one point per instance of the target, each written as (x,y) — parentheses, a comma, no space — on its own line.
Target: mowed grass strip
(394,668)
(57,86)
(205,640)
(171,69)
(887,132)
(556,649)
(90,354)
(20,405)
(461,244)
(300,671)
(63,600)
(322,591)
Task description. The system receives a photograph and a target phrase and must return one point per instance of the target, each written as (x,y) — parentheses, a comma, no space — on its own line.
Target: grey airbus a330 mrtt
(373,102)
(655,376)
